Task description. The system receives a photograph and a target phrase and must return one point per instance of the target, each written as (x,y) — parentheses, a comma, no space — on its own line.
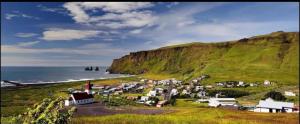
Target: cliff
(273,56)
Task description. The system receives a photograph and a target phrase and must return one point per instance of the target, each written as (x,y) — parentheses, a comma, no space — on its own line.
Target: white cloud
(10,16)
(55,34)
(27,44)
(18,14)
(137,31)
(117,14)
(116,7)
(25,35)
(172,4)
(55,10)
(95,49)
(185,23)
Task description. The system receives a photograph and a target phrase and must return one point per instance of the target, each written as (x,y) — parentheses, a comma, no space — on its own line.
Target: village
(160,93)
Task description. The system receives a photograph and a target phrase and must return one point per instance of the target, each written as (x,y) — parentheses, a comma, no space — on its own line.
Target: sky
(95,33)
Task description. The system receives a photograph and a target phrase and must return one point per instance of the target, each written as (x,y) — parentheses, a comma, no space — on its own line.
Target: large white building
(215,102)
(269,105)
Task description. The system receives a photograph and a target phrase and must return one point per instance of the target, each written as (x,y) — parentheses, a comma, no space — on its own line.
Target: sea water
(38,75)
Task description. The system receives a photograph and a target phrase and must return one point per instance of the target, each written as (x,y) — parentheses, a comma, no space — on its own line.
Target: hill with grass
(273,56)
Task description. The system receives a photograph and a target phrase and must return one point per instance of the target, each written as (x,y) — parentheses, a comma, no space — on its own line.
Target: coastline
(9,85)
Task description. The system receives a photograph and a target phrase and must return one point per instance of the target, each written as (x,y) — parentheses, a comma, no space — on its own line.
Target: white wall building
(288,93)
(267,82)
(152,93)
(79,99)
(215,102)
(269,105)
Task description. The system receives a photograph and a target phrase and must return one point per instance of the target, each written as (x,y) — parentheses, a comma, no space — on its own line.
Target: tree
(50,111)
(173,100)
(275,95)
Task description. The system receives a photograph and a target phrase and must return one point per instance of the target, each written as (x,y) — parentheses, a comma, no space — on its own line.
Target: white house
(144,98)
(174,92)
(201,94)
(241,83)
(267,82)
(288,93)
(152,93)
(79,99)
(208,86)
(269,105)
(215,102)
(184,92)
(194,81)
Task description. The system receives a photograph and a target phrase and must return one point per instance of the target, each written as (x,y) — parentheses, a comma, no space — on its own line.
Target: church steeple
(88,87)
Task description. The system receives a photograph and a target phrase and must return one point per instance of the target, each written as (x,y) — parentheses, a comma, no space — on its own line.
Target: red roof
(80,96)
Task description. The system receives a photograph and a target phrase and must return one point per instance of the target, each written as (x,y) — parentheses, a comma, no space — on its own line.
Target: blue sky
(95,33)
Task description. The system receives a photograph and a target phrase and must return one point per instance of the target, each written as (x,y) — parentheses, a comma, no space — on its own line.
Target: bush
(49,111)
(228,93)
(275,95)
(173,100)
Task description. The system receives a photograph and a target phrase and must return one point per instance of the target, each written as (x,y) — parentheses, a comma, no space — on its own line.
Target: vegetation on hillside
(273,57)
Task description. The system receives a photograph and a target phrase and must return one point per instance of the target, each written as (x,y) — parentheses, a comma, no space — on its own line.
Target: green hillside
(272,57)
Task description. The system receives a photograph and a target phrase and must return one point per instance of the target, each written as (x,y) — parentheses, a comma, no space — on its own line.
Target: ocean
(38,75)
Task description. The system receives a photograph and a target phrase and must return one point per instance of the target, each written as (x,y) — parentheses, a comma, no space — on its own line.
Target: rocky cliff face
(270,55)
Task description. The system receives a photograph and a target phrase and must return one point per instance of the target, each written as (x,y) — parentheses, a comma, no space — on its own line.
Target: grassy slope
(16,101)
(262,57)
(193,115)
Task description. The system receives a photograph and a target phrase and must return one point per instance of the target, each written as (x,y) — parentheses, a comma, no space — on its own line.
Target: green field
(193,115)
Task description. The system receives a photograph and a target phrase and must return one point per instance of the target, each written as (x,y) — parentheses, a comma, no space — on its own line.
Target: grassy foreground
(193,116)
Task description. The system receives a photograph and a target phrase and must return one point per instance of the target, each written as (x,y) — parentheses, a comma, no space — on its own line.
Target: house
(208,86)
(269,105)
(174,92)
(288,93)
(144,99)
(220,84)
(241,83)
(215,102)
(197,88)
(185,92)
(152,93)
(194,81)
(201,94)
(79,99)
(161,103)
(267,82)
(159,90)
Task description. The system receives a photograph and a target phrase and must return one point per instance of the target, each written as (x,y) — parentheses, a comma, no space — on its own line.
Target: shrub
(228,93)
(275,95)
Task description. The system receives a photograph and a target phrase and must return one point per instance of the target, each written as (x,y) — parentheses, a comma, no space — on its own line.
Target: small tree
(173,100)
(275,95)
